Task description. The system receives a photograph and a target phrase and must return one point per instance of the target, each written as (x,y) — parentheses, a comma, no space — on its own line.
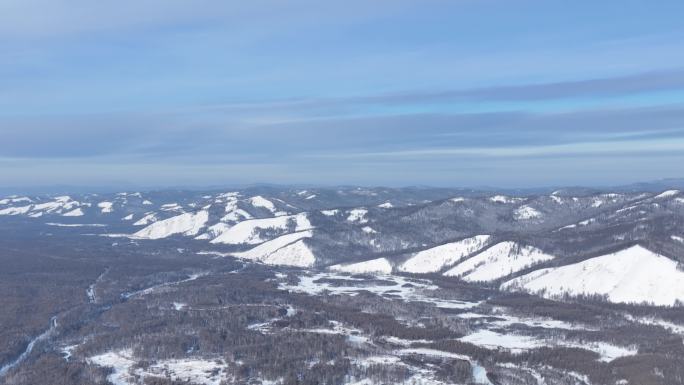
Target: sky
(458,93)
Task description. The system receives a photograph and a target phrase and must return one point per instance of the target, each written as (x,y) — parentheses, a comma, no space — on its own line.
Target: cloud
(653,81)
(220,138)
(63,18)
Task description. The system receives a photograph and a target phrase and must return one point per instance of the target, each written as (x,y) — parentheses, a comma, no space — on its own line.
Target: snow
(504,199)
(393,287)
(15,210)
(194,371)
(171,207)
(357,215)
(185,224)
(106,207)
(498,261)
(236,216)
(506,320)
(386,205)
(127,217)
(57,205)
(556,199)
(295,254)
(457,199)
(312,196)
(667,194)
(479,375)
(259,201)
(120,362)
(632,275)
(492,340)
(329,213)
(248,232)
(517,343)
(74,213)
(146,202)
(379,265)
(146,220)
(68,351)
(187,370)
(288,249)
(671,326)
(15,200)
(527,212)
(155,288)
(677,238)
(368,230)
(435,259)
(75,224)
(431,352)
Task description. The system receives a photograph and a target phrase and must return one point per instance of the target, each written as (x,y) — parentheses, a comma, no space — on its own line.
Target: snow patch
(105,207)
(527,212)
(435,259)
(504,199)
(146,220)
(357,216)
(248,232)
(288,249)
(185,224)
(259,201)
(74,213)
(632,275)
(15,210)
(379,265)
(498,261)
(667,194)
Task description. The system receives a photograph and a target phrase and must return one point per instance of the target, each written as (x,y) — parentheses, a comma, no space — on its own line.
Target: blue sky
(446,93)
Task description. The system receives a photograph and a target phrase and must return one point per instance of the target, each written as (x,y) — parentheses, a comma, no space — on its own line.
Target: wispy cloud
(340,90)
(605,148)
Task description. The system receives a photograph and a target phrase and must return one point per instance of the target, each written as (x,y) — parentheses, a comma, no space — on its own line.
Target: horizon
(636,186)
(491,93)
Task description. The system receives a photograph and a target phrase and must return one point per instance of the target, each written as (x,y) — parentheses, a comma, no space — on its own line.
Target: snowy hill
(498,261)
(417,230)
(287,250)
(249,231)
(435,259)
(185,224)
(633,275)
(380,265)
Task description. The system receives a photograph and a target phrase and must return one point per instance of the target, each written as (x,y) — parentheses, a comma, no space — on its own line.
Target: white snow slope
(379,265)
(527,212)
(247,232)
(435,259)
(288,249)
(632,275)
(498,261)
(186,224)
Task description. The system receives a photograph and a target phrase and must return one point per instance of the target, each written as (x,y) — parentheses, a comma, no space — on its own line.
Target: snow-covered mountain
(634,274)
(541,243)
(498,261)
(436,258)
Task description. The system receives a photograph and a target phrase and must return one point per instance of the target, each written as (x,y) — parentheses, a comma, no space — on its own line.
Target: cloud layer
(386,92)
